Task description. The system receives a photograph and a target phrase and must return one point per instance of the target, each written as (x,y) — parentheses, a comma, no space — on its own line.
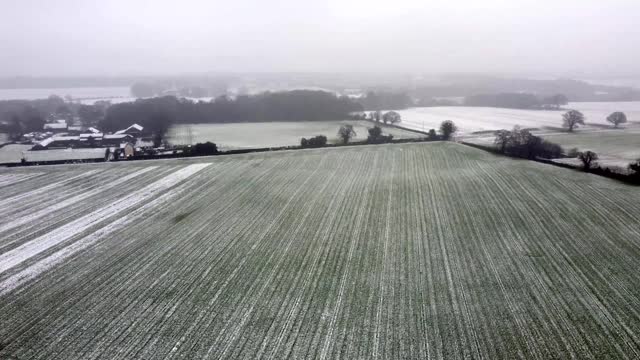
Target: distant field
(472,119)
(614,147)
(273,134)
(394,251)
(12,153)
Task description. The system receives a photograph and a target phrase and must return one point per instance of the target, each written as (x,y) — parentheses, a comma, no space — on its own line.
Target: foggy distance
(123,37)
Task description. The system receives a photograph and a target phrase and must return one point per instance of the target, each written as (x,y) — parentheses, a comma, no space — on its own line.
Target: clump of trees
(572,119)
(447,129)
(390,117)
(27,120)
(555,101)
(617,118)
(316,141)
(432,135)
(346,133)
(522,143)
(635,168)
(588,159)
(203,149)
(377,137)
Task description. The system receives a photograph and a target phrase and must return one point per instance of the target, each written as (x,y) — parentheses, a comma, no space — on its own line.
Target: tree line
(517,101)
(376,136)
(156,114)
(384,100)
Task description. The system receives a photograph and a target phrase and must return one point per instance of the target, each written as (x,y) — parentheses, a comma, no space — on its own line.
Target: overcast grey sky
(129,37)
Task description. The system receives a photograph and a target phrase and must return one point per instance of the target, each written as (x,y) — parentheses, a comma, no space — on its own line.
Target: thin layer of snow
(473,119)
(72,200)
(51,187)
(34,247)
(64,154)
(8,179)
(34,270)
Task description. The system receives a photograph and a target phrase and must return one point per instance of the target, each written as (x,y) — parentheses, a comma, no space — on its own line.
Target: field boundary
(630,179)
(220,153)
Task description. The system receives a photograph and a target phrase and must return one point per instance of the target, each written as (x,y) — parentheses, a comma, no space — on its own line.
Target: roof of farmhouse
(55,126)
(134,127)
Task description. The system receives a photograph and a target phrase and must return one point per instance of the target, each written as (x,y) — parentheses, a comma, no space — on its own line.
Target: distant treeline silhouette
(382,100)
(298,105)
(516,101)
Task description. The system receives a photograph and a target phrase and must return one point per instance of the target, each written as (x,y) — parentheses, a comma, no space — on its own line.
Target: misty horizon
(116,38)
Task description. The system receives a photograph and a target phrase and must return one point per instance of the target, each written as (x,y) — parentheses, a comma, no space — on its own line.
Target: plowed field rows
(398,251)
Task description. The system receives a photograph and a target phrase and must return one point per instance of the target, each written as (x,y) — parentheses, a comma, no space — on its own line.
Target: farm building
(95,136)
(58,142)
(134,130)
(117,139)
(56,127)
(75,130)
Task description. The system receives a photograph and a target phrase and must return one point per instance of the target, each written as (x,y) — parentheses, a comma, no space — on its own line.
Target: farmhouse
(56,127)
(134,130)
(117,139)
(57,142)
(74,130)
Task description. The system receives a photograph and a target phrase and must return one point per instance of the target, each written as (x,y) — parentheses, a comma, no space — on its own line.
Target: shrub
(588,159)
(376,136)
(522,143)
(432,135)
(316,141)
(448,128)
(201,149)
(573,152)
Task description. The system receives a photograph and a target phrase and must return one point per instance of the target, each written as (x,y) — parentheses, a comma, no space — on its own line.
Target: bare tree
(588,159)
(448,128)
(572,118)
(617,118)
(391,117)
(557,100)
(346,132)
(502,139)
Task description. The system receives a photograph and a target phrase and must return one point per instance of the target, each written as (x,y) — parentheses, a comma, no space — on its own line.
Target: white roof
(94,130)
(61,121)
(46,142)
(65,138)
(117,136)
(93,135)
(134,127)
(55,126)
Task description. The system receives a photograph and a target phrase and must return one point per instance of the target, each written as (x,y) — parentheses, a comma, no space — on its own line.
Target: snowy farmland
(474,119)
(615,147)
(398,251)
(272,134)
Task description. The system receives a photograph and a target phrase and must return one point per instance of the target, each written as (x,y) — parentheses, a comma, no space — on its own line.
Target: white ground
(473,119)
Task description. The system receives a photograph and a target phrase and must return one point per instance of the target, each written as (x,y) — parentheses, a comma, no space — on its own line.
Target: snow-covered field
(474,119)
(272,134)
(14,153)
(409,251)
(615,147)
